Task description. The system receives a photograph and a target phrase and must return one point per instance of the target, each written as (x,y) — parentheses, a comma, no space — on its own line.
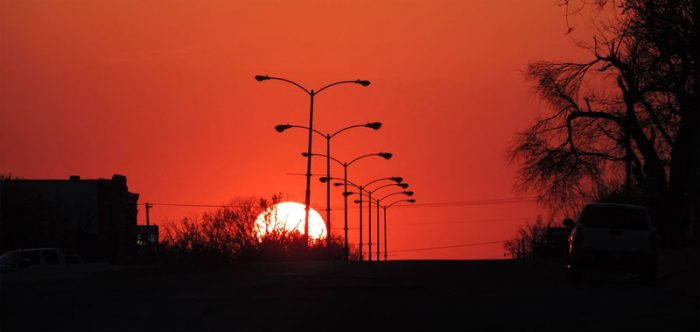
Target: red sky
(163,92)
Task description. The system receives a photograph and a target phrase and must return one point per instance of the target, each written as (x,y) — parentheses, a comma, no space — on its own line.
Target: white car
(613,237)
(35,258)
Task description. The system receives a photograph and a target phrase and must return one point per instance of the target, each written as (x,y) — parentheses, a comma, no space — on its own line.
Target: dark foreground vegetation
(229,234)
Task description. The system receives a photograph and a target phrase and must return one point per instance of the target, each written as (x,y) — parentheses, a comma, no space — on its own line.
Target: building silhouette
(94,218)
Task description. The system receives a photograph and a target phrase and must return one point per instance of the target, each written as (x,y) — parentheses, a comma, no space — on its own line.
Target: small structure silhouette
(94,218)
(147,235)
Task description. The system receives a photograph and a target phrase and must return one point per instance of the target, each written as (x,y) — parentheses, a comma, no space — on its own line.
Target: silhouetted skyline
(164,94)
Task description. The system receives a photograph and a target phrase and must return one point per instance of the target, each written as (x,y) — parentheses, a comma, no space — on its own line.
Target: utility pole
(148,224)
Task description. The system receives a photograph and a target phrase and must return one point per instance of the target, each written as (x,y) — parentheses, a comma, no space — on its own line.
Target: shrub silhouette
(228,234)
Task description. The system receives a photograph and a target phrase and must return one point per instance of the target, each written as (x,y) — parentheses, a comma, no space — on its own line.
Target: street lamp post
(364,188)
(312,94)
(403,185)
(369,222)
(328,137)
(369,226)
(386,207)
(385,155)
(407,193)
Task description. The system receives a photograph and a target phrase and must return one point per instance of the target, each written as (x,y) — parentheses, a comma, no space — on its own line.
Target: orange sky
(163,92)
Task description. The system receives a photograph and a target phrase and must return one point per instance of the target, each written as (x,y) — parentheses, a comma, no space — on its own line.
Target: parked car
(35,258)
(613,237)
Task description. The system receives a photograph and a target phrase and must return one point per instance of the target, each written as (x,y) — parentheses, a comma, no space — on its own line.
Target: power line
(448,247)
(193,205)
(466,221)
(496,201)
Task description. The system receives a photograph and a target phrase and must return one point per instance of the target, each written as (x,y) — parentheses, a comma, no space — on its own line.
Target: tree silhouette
(528,238)
(229,233)
(626,118)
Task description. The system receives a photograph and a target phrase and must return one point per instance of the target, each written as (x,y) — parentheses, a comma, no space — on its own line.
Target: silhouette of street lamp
(328,137)
(409,193)
(361,189)
(386,207)
(312,94)
(385,155)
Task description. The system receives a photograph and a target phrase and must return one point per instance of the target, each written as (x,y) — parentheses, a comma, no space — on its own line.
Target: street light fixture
(379,200)
(361,189)
(386,207)
(312,94)
(385,155)
(403,186)
(328,136)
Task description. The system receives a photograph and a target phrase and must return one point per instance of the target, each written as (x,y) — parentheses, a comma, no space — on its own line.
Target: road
(400,295)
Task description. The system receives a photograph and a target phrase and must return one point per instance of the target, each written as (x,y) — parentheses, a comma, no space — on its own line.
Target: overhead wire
(429,204)
(474,244)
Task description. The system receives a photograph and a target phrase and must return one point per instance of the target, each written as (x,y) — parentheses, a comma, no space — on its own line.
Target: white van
(613,237)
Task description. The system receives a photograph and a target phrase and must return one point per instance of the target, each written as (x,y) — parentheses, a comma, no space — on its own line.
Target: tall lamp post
(328,137)
(361,189)
(312,94)
(385,155)
(403,185)
(386,207)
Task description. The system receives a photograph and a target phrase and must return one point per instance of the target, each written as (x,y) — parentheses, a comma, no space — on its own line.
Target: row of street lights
(346,193)
(328,137)
(396,181)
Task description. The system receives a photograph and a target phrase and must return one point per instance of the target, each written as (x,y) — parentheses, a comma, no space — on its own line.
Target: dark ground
(401,295)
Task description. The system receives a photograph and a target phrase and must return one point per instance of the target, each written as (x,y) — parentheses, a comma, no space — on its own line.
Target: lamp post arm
(290,82)
(344,129)
(325,156)
(386,185)
(359,189)
(392,194)
(330,85)
(376,180)
(394,203)
(343,180)
(307,128)
(360,157)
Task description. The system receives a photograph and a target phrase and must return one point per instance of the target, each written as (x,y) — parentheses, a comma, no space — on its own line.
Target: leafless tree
(222,234)
(529,237)
(230,233)
(627,117)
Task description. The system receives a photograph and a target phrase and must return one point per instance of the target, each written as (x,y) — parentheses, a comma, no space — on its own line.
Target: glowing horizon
(289,217)
(164,93)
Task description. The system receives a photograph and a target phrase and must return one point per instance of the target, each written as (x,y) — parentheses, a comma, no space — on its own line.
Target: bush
(228,234)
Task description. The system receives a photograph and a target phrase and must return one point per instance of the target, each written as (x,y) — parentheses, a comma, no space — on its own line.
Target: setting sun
(289,217)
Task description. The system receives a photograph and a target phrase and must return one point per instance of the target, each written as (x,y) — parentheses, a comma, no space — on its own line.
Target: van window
(33,258)
(51,256)
(618,217)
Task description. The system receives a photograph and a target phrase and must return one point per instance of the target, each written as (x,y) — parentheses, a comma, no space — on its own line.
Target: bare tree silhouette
(230,233)
(528,238)
(627,118)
